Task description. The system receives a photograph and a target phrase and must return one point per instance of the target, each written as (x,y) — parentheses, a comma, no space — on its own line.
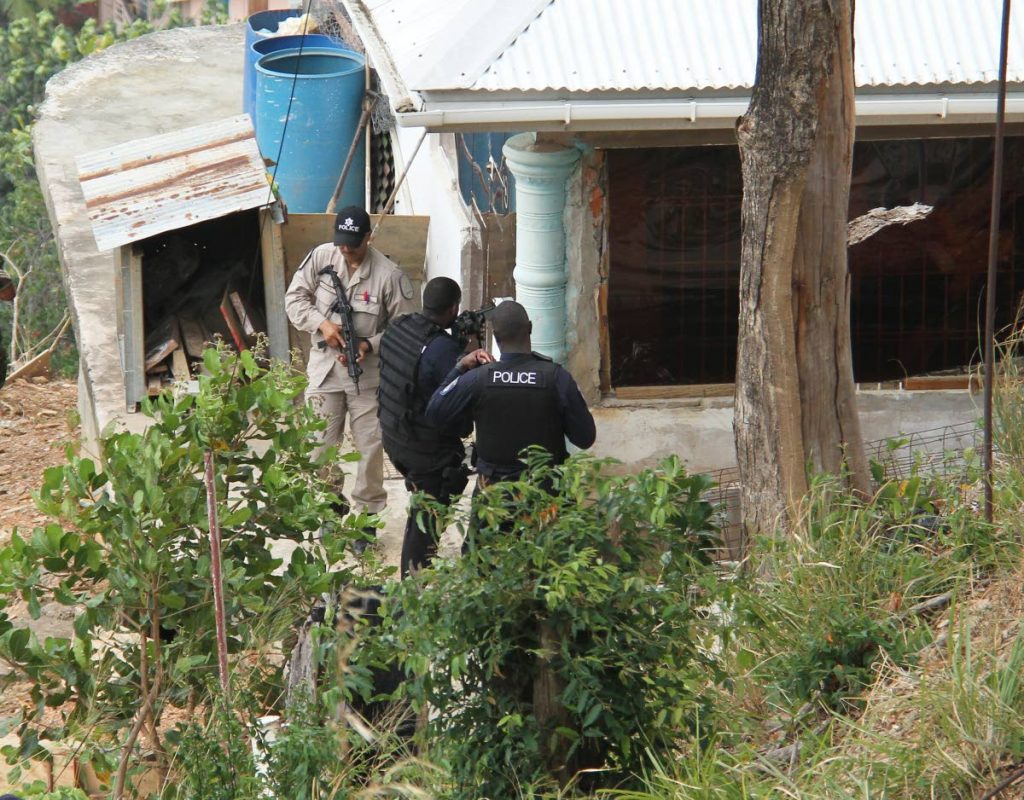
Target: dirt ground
(38,420)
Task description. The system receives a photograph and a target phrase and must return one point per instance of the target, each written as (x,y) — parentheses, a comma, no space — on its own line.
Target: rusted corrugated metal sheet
(161,183)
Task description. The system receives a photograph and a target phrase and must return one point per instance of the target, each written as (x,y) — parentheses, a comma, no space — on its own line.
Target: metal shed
(141,190)
(206,181)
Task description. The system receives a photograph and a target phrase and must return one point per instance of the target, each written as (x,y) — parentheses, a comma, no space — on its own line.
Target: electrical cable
(257,255)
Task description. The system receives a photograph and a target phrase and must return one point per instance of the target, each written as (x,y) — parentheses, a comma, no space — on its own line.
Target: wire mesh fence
(946,452)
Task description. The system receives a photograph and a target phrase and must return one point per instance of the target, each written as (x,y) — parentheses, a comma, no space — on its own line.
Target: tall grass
(833,655)
(826,601)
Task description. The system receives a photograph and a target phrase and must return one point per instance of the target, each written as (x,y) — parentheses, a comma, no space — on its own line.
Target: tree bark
(548,708)
(795,395)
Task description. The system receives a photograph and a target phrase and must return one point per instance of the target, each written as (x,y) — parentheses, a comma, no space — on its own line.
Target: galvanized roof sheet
(147,186)
(604,45)
(585,46)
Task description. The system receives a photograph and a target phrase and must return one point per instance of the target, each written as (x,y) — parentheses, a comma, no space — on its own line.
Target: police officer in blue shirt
(523,399)
(416,353)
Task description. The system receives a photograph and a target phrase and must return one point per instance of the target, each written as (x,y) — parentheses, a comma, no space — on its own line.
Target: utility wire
(258,254)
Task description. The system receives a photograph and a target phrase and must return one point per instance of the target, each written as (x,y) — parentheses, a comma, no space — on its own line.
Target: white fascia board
(402,99)
(688,114)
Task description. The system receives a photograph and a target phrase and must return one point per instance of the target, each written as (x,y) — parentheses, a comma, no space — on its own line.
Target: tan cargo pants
(368,492)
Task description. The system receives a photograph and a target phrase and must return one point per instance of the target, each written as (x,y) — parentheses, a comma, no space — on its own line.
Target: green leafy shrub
(833,657)
(214,759)
(133,559)
(572,634)
(829,599)
(233,754)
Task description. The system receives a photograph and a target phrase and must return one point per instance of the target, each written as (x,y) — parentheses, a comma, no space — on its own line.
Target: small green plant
(232,754)
(39,791)
(214,760)
(833,659)
(573,633)
(835,595)
(133,560)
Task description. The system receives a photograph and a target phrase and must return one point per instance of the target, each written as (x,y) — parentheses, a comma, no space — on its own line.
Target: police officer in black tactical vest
(416,352)
(523,399)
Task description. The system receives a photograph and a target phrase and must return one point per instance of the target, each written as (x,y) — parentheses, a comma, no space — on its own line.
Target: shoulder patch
(449,387)
(406,287)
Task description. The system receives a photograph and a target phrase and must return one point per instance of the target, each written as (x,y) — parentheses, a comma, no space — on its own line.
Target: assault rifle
(471,323)
(343,308)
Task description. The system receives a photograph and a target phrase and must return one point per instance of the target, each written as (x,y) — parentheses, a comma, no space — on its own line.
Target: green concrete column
(540,171)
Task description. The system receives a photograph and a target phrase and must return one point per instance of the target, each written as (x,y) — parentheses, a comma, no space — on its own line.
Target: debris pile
(194,291)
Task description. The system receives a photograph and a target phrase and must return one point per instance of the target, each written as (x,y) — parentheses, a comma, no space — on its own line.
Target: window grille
(916,299)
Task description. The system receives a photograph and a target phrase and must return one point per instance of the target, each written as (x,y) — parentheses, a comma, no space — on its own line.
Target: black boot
(367,536)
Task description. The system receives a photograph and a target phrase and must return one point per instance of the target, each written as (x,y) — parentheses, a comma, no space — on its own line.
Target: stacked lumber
(174,348)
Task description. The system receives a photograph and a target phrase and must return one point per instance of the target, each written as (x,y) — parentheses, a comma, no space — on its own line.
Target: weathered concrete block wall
(155,84)
(641,433)
(586,247)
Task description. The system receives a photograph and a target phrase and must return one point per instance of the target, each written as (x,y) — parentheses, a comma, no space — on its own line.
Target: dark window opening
(917,291)
(200,283)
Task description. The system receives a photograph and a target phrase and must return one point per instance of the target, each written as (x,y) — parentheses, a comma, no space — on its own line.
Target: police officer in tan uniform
(379,292)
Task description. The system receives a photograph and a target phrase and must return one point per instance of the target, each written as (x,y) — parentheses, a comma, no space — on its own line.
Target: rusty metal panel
(145,187)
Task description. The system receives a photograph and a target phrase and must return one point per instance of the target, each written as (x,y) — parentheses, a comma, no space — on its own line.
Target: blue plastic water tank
(258,27)
(272,44)
(325,87)
(264,23)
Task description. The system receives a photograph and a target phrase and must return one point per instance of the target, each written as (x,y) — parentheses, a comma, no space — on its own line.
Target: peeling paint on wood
(148,186)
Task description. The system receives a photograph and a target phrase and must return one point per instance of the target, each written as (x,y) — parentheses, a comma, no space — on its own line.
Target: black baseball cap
(351,226)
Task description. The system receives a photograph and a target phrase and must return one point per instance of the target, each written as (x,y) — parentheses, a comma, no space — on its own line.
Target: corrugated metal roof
(414,30)
(145,187)
(605,45)
(916,43)
(678,45)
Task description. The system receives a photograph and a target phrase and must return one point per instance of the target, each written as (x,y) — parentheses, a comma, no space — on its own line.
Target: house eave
(401,97)
(462,114)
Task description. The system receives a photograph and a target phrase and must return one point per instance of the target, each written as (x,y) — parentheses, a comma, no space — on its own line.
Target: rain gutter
(684,113)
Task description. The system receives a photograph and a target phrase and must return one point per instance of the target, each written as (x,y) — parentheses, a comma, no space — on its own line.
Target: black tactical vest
(517,406)
(407,435)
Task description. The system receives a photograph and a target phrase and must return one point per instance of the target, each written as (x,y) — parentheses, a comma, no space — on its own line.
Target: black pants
(482,482)
(445,485)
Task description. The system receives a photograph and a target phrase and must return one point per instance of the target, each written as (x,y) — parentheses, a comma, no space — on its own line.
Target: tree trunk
(551,714)
(795,400)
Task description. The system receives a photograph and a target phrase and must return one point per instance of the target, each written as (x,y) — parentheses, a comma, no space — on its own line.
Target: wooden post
(216,576)
(551,714)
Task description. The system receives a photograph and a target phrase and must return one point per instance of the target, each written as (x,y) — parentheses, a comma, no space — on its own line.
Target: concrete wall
(586,248)
(431,189)
(641,433)
(155,84)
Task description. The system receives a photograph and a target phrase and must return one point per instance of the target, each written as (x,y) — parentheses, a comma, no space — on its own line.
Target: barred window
(917,291)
